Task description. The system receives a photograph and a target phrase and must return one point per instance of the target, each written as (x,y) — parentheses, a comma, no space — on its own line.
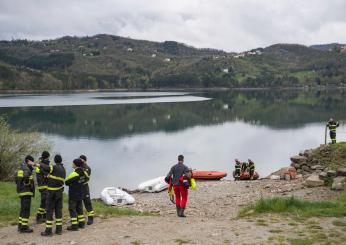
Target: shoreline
(168,89)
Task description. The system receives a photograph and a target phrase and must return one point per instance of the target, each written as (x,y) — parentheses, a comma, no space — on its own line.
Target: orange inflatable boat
(208,175)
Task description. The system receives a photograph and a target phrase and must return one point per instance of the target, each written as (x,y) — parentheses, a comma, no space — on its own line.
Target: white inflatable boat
(153,185)
(115,196)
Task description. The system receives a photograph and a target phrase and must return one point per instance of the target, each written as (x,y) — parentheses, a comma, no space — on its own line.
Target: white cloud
(232,25)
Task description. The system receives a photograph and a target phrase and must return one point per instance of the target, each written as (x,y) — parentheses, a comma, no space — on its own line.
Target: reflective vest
(332,126)
(25,181)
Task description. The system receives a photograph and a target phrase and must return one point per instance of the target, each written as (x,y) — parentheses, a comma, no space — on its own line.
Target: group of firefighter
(50,181)
(248,168)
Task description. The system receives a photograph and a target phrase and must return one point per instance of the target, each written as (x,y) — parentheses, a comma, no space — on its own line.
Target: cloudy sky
(232,25)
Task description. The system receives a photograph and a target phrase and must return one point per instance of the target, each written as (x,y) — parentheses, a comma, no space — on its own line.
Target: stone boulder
(331,173)
(338,183)
(322,175)
(313,181)
(299,159)
(341,172)
(317,167)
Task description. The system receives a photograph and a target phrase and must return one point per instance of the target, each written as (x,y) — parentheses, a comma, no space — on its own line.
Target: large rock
(331,173)
(317,167)
(338,183)
(297,165)
(313,181)
(306,168)
(322,175)
(308,153)
(299,159)
(341,172)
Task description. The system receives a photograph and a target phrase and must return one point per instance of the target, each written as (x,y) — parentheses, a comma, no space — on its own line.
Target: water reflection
(127,144)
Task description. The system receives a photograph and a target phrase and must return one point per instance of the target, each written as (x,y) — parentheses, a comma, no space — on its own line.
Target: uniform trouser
(75,207)
(42,208)
(251,172)
(54,205)
(237,172)
(180,196)
(25,203)
(87,202)
(332,135)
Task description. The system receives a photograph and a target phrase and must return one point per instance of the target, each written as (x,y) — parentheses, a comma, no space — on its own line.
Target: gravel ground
(211,210)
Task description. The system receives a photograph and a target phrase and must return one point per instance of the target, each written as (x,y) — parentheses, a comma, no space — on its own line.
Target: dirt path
(210,212)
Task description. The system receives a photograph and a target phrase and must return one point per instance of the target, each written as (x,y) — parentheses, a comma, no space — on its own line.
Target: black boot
(58,230)
(25,229)
(81,224)
(19,226)
(178,211)
(47,232)
(90,220)
(73,227)
(182,213)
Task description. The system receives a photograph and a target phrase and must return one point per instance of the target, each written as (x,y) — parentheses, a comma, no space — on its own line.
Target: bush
(14,146)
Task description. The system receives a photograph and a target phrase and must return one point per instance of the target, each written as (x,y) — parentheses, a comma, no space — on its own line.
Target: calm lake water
(132,137)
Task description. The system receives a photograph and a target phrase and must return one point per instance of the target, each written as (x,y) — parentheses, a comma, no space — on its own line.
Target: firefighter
(26,190)
(332,125)
(177,172)
(244,167)
(251,165)
(41,177)
(86,192)
(75,181)
(237,169)
(55,188)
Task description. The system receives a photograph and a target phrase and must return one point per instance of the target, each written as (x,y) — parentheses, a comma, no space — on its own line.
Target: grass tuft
(297,207)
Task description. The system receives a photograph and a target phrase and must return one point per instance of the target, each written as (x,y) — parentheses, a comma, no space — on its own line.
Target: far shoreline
(168,89)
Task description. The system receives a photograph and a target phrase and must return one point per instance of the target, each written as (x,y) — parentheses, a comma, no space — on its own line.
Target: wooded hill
(105,61)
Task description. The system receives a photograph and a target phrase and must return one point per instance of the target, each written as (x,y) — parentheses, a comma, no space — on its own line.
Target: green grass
(298,207)
(300,242)
(10,205)
(333,155)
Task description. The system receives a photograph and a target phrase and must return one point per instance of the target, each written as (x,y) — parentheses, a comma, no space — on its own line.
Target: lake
(135,136)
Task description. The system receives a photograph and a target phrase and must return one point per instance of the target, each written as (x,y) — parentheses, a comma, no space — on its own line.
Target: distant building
(129,50)
(167,60)
(153,55)
(225,70)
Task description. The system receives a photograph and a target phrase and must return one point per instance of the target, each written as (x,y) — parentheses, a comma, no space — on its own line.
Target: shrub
(15,145)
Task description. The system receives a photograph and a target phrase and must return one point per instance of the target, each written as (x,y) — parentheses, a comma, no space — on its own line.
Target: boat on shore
(208,175)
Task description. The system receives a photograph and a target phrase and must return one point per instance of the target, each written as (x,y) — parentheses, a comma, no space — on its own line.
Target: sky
(231,25)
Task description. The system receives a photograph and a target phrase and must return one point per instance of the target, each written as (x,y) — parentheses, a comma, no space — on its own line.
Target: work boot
(90,220)
(19,226)
(58,230)
(178,211)
(81,224)
(73,227)
(47,232)
(39,218)
(25,229)
(182,213)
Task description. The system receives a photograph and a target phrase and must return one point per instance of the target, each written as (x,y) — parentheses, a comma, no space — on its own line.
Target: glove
(167,179)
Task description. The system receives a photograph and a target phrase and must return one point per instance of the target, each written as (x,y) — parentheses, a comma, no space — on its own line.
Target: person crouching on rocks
(179,173)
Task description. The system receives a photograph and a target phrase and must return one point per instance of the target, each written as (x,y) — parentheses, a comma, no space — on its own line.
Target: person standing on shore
(178,172)
(86,191)
(41,177)
(26,190)
(332,125)
(56,178)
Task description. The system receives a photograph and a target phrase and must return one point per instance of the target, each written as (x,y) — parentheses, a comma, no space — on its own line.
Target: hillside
(105,61)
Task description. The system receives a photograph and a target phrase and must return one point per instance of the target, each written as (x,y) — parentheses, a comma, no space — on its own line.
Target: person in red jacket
(179,173)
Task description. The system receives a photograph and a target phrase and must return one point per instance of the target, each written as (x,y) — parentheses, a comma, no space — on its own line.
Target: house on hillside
(153,55)
(167,60)
(225,70)
(130,50)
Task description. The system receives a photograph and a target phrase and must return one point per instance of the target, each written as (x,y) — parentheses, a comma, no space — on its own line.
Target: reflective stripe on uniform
(58,221)
(20,173)
(86,174)
(74,221)
(42,187)
(56,178)
(54,188)
(28,193)
(38,170)
(72,175)
(19,220)
(25,221)
(91,213)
